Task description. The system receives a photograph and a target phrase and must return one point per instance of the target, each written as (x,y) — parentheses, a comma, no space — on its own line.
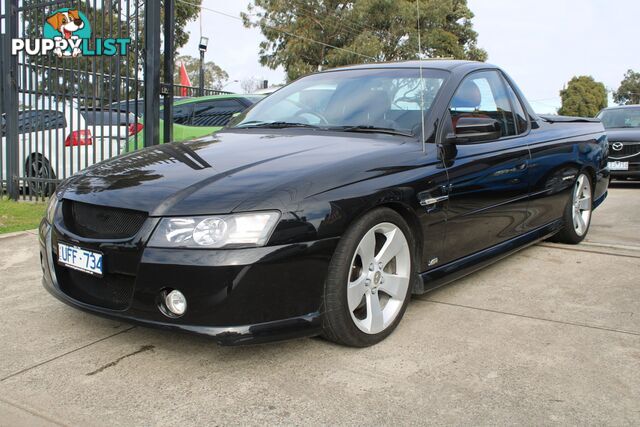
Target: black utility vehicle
(321,209)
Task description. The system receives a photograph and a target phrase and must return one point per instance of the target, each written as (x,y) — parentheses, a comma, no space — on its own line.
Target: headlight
(51,207)
(237,230)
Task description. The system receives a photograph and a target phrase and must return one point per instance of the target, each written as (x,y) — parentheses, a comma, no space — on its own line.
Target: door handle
(433,200)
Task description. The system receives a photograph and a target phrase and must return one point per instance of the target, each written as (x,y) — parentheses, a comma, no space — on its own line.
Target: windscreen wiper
(274,125)
(372,129)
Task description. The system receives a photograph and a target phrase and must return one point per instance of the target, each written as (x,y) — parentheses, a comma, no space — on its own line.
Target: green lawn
(19,216)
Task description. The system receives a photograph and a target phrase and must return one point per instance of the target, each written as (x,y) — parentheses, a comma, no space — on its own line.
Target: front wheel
(577,214)
(368,285)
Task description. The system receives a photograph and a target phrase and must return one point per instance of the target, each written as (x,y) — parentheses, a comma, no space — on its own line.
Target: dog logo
(69,25)
(67,34)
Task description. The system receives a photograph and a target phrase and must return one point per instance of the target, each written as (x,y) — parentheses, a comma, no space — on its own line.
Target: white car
(57,143)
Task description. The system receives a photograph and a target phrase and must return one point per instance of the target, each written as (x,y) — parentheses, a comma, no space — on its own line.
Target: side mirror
(470,130)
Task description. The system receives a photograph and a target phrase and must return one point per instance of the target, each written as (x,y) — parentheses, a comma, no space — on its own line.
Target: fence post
(169,13)
(10,97)
(151,73)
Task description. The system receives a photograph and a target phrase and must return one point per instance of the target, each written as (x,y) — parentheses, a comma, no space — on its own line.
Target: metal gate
(66,109)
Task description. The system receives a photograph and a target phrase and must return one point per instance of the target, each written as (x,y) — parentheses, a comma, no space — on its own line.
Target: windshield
(620,118)
(367,99)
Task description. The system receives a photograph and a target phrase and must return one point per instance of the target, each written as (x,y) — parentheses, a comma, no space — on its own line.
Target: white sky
(541,43)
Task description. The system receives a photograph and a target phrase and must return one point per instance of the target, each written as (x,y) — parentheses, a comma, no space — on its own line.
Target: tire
(381,236)
(577,213)
(37,166)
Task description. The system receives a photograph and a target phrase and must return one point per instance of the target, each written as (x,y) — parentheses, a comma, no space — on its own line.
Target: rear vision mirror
(472,129)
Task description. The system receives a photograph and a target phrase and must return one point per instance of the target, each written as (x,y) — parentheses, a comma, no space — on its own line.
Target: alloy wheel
(582,205)
(379,278)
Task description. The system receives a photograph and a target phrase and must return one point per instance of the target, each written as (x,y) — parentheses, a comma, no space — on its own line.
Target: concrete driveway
(550,335)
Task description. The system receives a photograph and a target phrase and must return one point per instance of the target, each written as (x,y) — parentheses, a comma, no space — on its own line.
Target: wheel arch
(412,221)
(591,173)
(399,203)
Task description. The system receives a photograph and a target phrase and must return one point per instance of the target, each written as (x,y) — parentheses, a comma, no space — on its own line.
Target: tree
(214,76)
(629,91)
(184,12)
(583,97)
(304,35)
(250,85)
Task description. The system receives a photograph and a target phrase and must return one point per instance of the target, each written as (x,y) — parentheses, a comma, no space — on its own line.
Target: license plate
(80,259)
(619,166)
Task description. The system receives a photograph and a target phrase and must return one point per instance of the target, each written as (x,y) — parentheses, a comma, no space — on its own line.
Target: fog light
(176,302)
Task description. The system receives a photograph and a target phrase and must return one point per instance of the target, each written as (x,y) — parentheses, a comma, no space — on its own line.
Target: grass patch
(20,216)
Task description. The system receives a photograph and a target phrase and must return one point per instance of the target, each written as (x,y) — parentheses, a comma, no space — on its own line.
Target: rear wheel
(368,286)
(577,214)
(38,167)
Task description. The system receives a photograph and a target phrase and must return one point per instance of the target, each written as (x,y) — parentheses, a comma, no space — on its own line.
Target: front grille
(628,150)
(113,291)
(100,222)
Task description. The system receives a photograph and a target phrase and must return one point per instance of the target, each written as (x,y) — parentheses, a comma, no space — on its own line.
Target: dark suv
(623,129)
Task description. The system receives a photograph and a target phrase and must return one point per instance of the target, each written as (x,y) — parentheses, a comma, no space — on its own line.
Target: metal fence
(62,113)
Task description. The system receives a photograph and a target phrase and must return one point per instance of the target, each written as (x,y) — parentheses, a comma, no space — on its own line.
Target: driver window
(484,95)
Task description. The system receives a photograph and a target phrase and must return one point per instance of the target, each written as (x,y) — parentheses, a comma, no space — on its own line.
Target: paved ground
(548,336)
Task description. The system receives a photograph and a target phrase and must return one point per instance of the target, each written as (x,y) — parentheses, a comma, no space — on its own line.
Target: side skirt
(600,200)
(454,270)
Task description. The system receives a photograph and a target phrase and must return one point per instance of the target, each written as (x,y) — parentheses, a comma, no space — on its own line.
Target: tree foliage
(214,76)
(250,85)
(629,91)
(583,97)
(184,12)
(303,35)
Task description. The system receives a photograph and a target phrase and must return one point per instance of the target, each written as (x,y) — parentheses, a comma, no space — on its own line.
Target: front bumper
(626,174)
(632,172)
(235,296)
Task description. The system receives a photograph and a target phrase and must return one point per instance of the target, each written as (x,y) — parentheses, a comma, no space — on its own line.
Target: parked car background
(56,143)
(136,106)
(196,117)
(623,129)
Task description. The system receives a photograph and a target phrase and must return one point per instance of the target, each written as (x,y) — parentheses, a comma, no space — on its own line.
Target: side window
(53,120)
(26,122)
(522,122)
(484,94)
(182,114)
(36,121)
(215,113)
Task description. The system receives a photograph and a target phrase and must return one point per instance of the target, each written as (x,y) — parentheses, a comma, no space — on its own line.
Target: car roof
(214,97)
(621,107)
(438,64)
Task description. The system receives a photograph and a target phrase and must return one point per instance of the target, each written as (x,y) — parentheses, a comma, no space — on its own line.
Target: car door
(26,128)
(488,180)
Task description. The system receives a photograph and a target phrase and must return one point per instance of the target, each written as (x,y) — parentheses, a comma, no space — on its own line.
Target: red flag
(184,80)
